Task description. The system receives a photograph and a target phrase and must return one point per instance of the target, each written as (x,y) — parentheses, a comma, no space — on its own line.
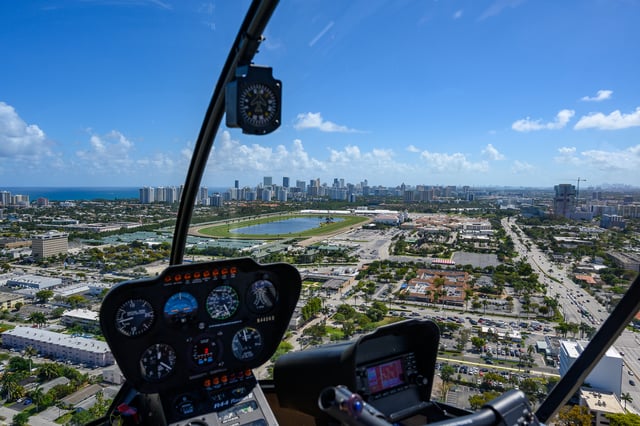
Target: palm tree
(468,293)
(49,370)
(37,395)
(30,352)
(11,390)
(626,397)
(38,318)
(439,283)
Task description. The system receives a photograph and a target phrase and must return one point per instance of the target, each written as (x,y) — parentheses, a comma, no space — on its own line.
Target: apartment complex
(80,350)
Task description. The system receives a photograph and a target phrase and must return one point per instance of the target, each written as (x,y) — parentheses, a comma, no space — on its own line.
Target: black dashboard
(391,368)
(194,333)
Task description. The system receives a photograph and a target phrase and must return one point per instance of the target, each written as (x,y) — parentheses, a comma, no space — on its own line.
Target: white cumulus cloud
(19,139)
(241,157)
(601,95)
(627,160)
(614,121)
(529,125)
(412,148)
(108,153)
(492,153)
(456,162)
(519,167)
(567,150)
(314,120)
(457,14)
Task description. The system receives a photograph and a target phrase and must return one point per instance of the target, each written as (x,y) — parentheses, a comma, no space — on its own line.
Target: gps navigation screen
(385,376)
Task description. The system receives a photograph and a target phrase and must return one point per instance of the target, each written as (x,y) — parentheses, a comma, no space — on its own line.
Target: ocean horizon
(78,193)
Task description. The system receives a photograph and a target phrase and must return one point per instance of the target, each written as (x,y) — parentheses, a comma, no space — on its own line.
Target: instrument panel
(209,322)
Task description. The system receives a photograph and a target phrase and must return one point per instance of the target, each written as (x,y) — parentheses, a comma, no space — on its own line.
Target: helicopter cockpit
(189,339)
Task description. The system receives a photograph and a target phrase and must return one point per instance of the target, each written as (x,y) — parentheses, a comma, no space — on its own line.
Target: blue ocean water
(82,193)
(75,193)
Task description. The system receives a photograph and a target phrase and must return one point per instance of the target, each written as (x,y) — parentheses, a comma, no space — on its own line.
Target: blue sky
(447,92)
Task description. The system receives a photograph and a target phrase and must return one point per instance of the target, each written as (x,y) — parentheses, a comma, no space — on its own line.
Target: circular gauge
(204,351)
(222,302)
(181,307)
(258,105)
(246,344)
(157,362)
(262,296)
(134,317)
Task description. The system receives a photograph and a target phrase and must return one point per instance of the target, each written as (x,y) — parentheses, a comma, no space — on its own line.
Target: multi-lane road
(579,306)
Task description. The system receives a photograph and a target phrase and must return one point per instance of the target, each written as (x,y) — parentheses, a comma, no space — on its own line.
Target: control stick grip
(349,408)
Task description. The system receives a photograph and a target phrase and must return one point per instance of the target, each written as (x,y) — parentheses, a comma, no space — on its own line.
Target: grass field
(224,230)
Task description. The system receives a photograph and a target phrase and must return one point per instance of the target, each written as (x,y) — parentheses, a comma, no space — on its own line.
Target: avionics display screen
(385,376)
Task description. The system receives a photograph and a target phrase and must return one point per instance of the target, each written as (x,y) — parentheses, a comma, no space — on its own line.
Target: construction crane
(578,188)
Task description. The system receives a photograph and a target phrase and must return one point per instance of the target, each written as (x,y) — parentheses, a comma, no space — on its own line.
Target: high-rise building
(203,196)
(171,195)
(147,195)
(160,194)
(49,244)
(285,182)
(236,184)
(20,200)
(5,198)
(267,181)
(215,200)
(564,201)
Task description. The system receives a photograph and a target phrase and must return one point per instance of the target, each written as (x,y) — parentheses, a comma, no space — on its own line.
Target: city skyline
(439,97)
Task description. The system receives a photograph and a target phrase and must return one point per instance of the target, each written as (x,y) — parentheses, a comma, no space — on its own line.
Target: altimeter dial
(134,317)
(222,302)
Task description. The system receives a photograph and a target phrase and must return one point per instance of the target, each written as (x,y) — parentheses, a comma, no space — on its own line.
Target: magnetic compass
(254,100)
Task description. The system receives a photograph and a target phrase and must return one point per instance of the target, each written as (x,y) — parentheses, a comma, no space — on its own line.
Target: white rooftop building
(600,404)
(34,281)
(80,350)
(607,375)
(82,317)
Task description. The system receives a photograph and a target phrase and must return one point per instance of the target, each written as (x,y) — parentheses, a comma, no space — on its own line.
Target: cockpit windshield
(210,209)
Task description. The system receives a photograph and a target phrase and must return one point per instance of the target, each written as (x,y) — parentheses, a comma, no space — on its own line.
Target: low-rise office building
(8,300)
(85,318)
(600,403)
